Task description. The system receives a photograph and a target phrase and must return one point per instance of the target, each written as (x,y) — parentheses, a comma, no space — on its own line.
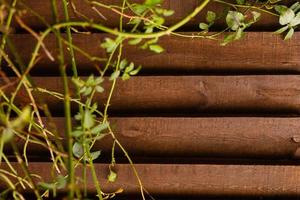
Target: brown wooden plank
(191,94)
(269,53)
(202,179)
(181,7)
(229,137)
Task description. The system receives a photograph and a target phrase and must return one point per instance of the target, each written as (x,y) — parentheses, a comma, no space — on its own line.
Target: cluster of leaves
(152,18)
(88,126)
(126,70)
(289,18)
(237,22)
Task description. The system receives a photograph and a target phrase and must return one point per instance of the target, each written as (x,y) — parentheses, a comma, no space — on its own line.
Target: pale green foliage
(289,18)
(237,22)
(210,20)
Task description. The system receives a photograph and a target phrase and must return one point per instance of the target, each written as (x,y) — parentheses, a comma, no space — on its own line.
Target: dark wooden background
(201,121)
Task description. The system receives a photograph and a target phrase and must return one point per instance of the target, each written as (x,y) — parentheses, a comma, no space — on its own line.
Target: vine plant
(28,123)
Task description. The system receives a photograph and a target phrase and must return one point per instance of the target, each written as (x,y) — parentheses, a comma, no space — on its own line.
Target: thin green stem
(67,108)
(8,22)
(246,6)
(135,35)
(70,40)
(25,170)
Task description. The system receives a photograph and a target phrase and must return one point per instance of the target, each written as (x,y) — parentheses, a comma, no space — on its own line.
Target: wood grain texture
(224,137)
(179,179)
(268,54)
(190,94)
(181,7)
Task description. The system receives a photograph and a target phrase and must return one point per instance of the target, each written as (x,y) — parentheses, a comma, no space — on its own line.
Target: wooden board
(190,94)
(180,179)
(268,54)
(224,137)
(181,7)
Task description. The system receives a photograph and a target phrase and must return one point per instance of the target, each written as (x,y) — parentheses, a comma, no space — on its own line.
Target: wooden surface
(181,7)
(200,119)
(178,179)
(268,54)
(197,94)
(219,137)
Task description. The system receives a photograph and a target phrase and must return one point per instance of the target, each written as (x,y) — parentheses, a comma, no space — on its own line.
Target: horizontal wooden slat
(269,53)
(191,94)
(181,7)
(201,179)
(228,137)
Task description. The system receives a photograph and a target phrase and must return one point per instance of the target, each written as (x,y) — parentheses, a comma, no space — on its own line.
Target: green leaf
(228,38)
(23,118)
(239,34)
(289,34)
(112,177)
(129,68)
(125,76)
(87,91)
(203,26)
(149,30)
(168,13)
(94,107)
(99,128)
(241,2)
(158,20)
(256,15)
(90,80)
(114,75)
(234,20)
(88,121)
(134,72)
(134,41)
(77,133)
(78,116)
(123,63)
(156,48)
(286,17)
(281,30)
(138,9)
(210,16)
(99,80)
(95,155)
(61,181)
(78,82)
(109,45)
(152,2)
(281,9)
(296,20)
(99,89)
(295,7)
(77,150)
